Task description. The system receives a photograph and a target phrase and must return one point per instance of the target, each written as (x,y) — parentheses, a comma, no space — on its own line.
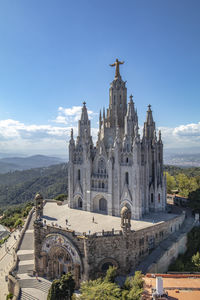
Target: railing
(88,234)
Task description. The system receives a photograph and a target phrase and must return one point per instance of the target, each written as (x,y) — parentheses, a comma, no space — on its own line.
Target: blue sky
(55,54)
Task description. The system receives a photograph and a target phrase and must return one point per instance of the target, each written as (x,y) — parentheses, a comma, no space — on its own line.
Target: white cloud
(71,115)
(188,130)
(18,137)
(181,136)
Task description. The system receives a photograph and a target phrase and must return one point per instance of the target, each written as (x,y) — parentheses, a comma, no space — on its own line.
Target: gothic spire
(104,113)
(84,114)
(130,118)
(149,125)
(130,110)
(159,137)
(149,118)
(84,123)
(100,120)
(71,141)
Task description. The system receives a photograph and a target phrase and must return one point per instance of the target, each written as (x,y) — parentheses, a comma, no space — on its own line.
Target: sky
(56,54)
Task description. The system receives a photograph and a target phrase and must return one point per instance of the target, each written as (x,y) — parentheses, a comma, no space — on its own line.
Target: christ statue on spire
(116,65)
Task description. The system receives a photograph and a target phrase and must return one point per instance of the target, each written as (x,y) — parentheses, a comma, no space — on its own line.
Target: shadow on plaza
(49,218)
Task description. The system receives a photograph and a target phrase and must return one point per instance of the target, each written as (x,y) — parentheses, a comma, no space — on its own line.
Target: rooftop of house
(178,286)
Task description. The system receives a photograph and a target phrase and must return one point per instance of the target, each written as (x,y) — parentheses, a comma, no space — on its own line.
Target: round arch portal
(106,263)
(59,256)
(80,203)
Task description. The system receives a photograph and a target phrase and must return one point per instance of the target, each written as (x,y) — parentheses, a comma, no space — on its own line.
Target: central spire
(116,65)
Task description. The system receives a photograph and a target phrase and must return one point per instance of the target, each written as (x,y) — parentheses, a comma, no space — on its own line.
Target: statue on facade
(126,219)
(116,65)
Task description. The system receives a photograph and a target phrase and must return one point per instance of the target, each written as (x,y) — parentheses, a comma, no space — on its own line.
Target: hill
(21,186)
(10,164)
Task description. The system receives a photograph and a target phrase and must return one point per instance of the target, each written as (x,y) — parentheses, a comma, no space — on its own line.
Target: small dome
(38,196)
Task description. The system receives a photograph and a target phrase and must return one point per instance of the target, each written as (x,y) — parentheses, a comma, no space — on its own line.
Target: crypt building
(122,169)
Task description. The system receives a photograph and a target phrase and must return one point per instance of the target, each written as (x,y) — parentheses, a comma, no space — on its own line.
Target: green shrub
(61,197)
(62,289)
(9,296)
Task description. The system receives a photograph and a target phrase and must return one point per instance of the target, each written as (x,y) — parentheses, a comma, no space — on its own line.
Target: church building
(122,169)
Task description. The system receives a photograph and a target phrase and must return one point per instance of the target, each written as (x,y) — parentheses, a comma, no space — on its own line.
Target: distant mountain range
(11,164)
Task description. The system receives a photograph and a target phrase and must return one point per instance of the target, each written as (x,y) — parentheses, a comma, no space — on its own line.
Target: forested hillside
(182,180)
(185,182)
(21,186)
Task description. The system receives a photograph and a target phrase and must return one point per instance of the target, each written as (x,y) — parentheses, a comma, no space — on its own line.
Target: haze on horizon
(55,55)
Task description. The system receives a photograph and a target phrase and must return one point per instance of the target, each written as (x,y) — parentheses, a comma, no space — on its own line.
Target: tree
(194,198)
(62,289)
(100,290)
(186,184)
(133,287)
(107,289)
(196,261)
(111,274)
(18,223)
(61,197)
(171,183)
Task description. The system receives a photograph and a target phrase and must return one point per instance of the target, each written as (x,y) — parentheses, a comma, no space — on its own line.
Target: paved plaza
(82,221)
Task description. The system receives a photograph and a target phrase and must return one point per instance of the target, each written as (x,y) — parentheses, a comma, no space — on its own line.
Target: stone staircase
(27,296)
(40,284)
(22,269)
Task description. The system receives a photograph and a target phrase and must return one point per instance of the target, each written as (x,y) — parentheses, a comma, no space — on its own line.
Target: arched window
(151,197)
(102,166)
(103,205)
(103,185)
(127,178)
(159,198)
(127,160)
(79,174)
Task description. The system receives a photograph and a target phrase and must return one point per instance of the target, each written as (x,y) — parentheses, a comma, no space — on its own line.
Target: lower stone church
(122,168)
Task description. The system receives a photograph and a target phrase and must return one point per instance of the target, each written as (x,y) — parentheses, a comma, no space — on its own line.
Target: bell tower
(117,99)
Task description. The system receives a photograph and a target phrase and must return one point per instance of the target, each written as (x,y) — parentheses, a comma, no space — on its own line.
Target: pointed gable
(126,195)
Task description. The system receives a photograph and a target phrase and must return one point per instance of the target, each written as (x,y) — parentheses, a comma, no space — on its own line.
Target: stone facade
(88,256)
(123,168)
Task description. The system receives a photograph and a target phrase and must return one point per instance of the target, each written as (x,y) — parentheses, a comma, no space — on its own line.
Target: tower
(39,205)
(122,170)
